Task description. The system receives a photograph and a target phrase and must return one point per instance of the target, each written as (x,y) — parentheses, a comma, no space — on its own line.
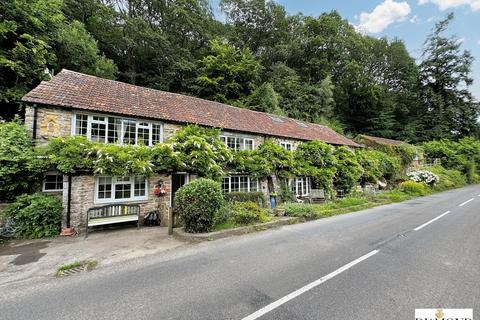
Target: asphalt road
(370,264)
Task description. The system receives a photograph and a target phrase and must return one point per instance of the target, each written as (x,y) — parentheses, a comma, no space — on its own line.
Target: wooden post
(170,220)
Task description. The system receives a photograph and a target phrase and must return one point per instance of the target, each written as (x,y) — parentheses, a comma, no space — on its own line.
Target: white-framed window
(238,143)
(117,130)
(120,189)
(302,186)
(286,145)
(239,183)
(53,182)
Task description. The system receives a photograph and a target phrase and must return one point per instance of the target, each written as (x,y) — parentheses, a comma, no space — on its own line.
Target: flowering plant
(424,176)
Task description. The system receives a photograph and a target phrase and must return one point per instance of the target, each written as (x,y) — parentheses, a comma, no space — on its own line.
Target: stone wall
(51,123)
(83,198)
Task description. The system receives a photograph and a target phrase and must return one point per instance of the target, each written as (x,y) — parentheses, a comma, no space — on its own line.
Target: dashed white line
(433,220)
(307,287)
(464,203)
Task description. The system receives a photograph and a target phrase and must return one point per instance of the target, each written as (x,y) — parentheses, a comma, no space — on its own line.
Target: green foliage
(121,160)
(316,159)
(256,197)
(198,202)
(20,169)
(448,178)
(77,50)
(35,35)
(414,188)
(36,216)
(286,194)
(236,214)
(315,211)
(268,159)
(450,110)
(462,155)
(69,154)
(348,170)
(165,159)
(248,212)
(227,74)
(201,151)
(376,165)
(264,99)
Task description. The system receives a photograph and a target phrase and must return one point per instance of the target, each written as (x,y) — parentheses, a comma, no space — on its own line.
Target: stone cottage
(109,111)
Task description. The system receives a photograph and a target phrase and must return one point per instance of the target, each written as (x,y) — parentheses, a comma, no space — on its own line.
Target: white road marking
(433,220)
(464,203)
(307,287)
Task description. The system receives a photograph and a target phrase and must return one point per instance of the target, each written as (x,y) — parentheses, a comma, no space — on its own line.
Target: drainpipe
(69,199)
(35,116)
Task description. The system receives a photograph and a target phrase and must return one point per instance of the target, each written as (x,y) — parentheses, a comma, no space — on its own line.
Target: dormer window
(117,130)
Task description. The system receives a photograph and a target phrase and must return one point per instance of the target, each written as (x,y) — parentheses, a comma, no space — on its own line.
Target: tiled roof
(84,92)
(386,141)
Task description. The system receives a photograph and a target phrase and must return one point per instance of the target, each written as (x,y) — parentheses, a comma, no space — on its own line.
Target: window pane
(98,132)
(139,187)
(129,128)
(143,137)
(104,188)
(123,190)
(231,143)
(53,182)
(248,144)
(225,184)
(239,144)
(156,133)
(253,185)
(243,184)
(81,124)
(235,184)
(114,128)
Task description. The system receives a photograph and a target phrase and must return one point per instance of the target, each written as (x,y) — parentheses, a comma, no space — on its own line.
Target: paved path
(380,263)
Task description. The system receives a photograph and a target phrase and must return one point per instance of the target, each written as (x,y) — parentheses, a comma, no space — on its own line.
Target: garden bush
(423,176)
(414,188)
(448,178)
(300,210)
(20,169)
(256,197)
(248,212)
(36,216)
(198,202)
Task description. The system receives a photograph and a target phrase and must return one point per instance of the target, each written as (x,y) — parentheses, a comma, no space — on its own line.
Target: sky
(409,20)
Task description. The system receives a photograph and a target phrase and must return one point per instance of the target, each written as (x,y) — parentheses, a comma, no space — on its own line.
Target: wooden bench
(316,196)
(112,213)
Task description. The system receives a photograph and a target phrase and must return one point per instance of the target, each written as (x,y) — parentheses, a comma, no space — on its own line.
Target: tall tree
(449,108)
(227,74)
(34,35)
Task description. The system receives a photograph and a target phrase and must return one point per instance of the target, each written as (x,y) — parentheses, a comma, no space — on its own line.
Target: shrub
(198,202)
(286,194)
(423,176)
(256,197)
(449,178)
(36,216)
(300,210)
(248,212)
(19,167)
(349,170)
(413,188)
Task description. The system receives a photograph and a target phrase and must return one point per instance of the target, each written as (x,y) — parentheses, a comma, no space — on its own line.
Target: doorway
(177,181)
